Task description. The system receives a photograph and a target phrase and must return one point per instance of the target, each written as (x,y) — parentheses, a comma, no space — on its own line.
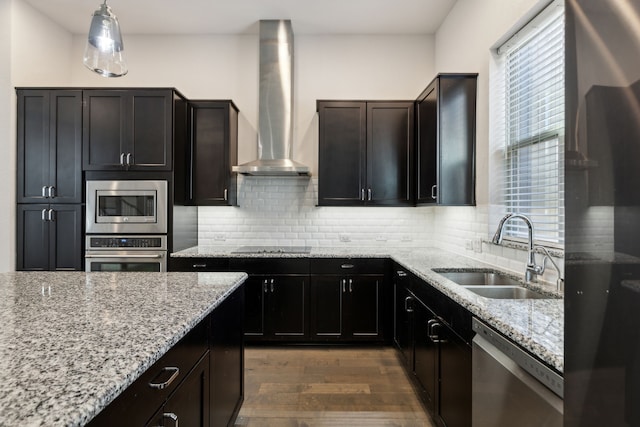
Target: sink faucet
(532,268)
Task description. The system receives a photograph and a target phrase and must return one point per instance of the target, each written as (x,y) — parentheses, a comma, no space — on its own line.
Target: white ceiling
(242,16)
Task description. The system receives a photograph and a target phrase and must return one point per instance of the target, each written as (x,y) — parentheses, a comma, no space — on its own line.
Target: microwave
(127,206)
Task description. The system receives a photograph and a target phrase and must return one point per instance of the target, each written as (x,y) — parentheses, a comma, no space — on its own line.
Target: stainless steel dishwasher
(511,387)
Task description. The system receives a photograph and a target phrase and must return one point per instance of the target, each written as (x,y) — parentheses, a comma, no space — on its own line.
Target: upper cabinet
(212,150)
(446,119)
(128,129)
(365,153)
(49,148)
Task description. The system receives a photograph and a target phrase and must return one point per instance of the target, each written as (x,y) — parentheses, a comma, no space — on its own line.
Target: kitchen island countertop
(70,342)
(537,325)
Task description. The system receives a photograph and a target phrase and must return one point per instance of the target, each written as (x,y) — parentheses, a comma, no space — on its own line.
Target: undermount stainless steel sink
(491,284)
(479,278)
(505,292)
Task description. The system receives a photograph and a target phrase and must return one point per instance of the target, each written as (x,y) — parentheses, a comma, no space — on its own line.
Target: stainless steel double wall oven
(126,225)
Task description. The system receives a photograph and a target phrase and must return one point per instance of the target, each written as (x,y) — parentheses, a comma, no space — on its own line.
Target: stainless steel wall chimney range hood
(275,109)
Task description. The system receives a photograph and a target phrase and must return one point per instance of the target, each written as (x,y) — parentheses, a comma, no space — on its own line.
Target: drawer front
(198,264)
(349,266)
(270,266)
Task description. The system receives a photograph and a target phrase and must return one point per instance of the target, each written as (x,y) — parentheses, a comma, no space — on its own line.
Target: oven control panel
(126,242)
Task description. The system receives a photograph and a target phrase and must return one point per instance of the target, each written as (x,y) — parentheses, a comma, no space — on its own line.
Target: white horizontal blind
(533,128)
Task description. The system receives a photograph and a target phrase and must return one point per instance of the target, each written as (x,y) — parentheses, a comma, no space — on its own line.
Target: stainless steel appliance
(127,206)
(510,387)
(126,253)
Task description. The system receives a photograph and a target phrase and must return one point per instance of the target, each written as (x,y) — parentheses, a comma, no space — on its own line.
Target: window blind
(531,131)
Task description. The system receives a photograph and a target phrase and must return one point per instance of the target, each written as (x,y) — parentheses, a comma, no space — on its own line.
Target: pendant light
(104,52)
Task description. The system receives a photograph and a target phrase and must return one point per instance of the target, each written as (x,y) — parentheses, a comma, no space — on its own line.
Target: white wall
(7,143)
(463,44)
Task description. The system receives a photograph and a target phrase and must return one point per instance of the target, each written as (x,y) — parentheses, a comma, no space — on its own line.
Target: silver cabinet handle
(272,280)
(369,193)
(129,158)
(362,194)
(265,285)
(173,417)
(347,266)
(431,331)
(344,285)
(198,265)
(225,195)
(44,214)
(350,285)
(174,374)
(406,305)
(401,273)
(121,159)
(50,215)
(150,256)
(44,191)
(51,192)
(434,189)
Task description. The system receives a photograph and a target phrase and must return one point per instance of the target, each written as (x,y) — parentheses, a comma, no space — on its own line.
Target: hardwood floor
(328,386)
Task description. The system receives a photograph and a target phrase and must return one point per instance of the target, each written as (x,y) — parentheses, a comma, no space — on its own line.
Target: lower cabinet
(436,353)
(198,382)
(347,306)
(49,237)
(189,404)
(276,299)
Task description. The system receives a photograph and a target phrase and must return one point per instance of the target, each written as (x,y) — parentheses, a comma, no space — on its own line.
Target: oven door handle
(123,256)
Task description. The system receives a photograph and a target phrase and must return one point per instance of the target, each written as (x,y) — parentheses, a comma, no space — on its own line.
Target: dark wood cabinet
(49,237)
(346,303)
(49,148)
(276,298)
(433,334)
(212,151)
(365,152)
(445,153)
(189,403)
(131,129)
(198,382)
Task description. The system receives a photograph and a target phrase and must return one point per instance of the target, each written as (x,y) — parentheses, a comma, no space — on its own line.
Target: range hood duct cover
(275,107)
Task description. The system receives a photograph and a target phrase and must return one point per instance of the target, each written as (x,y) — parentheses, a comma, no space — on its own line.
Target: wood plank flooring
(328,386)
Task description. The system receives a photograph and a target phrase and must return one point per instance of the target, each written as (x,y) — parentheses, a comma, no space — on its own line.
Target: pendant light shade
(104,52)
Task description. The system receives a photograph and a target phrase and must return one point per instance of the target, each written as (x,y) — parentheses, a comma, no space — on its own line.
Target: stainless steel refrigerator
(602,182)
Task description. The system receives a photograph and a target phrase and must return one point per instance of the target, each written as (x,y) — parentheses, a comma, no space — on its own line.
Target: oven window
(126,206)
(125,266)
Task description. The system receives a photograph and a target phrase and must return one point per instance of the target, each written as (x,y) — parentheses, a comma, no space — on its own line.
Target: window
(528,128)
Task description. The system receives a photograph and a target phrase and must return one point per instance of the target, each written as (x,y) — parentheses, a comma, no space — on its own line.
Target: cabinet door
(402,327)
(33,237)
(342,156)
(49,146)
(456,156)
(287,307)
(189,403)
(364,309)
(425,354)
(127,129)
(254,312)
(326,307)
(227,359)
(49,237)
(427,137)
(455,379)
(104,129)
(211,149)
(149,129)
(389,145)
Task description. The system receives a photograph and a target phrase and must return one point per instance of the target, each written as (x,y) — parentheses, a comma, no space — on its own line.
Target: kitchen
(461,43)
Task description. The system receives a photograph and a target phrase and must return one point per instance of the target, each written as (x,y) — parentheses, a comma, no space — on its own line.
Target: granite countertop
(70,342)
(537,325)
